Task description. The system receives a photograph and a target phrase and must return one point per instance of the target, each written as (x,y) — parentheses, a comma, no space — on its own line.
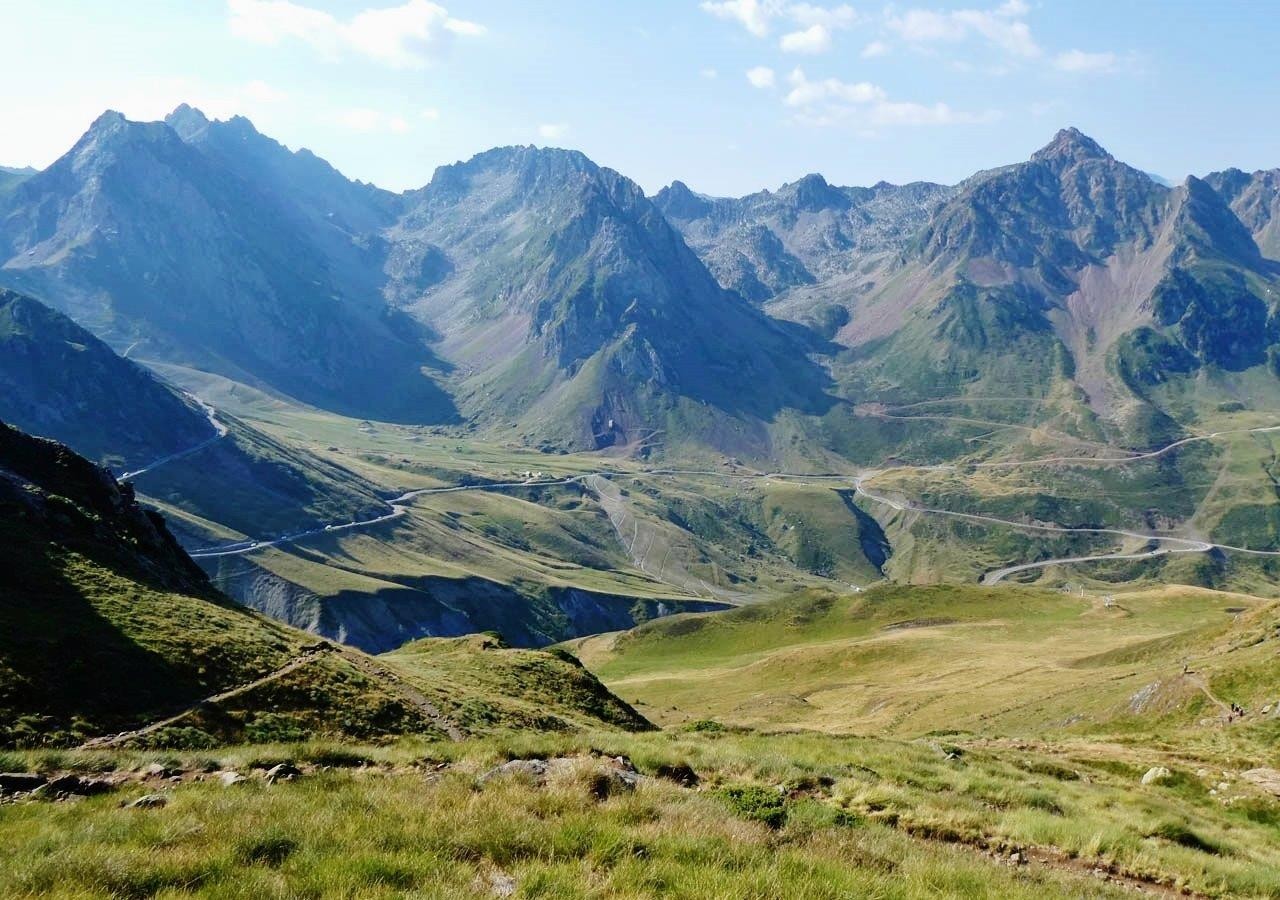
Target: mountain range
(541,298)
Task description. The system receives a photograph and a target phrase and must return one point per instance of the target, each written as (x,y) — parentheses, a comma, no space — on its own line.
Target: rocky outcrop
(441,607)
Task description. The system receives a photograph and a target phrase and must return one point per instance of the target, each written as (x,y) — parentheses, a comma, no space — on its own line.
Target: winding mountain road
(220,431)
(1167,544)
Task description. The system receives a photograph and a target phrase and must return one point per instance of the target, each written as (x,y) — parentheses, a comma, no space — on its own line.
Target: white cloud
(758,16)
(431,114)
(807,93)
(1002,26)
(552,131)
(842,16)
(1082,61)
(710,73)
(830,101)
(370,121)
(761,77)
(402,37)
(875,50)
(812,40)
(272,21)
(753,15)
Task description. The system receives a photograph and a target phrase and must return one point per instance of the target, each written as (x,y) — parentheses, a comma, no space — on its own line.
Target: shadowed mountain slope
(146,240)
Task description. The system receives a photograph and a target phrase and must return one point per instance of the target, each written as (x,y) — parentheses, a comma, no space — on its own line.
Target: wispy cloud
(1003,27)
(812,25)
(812,40)
(1083,61)
(830,101)
(402,37)
(875,50)
(807,93)
(552,131)
(753,15)
(842,16)
(762,77)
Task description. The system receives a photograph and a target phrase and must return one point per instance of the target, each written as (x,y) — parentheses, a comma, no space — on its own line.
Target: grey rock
(80,785)
(149,801)
(20,782)
(283,772)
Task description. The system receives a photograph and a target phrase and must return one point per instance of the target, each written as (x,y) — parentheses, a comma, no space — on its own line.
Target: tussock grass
(792,815)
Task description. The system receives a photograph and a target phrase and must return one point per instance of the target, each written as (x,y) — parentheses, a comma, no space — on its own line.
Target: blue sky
(729,96)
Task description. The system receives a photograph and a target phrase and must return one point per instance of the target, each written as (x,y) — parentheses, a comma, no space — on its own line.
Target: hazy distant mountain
(572,308)
(806,231)
(343,218)
(545,299)
(59,381)
(142,237)
(11,178)
(1071,267)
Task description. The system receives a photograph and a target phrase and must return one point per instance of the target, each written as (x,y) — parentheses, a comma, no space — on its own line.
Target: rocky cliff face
(1255,199)
(442,607)
(50,494)
(807,231)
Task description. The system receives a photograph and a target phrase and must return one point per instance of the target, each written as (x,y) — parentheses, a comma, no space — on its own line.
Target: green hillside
(108,626)
(1002,661)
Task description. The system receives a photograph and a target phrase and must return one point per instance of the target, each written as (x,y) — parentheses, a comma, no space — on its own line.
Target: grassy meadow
(771,816)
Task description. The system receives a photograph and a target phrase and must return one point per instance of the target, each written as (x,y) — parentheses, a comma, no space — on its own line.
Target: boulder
(149,801)
(534,769)
(226,779)
(20,782)
(79,785)
(1156,774)
(1266,779)
(607,783)
(283,772)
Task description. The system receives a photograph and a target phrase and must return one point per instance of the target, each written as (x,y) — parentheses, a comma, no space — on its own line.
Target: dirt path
(409,692)
(363,663)
(111,740)
(1203,686)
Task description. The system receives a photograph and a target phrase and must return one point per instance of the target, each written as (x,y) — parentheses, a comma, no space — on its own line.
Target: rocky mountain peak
(113,137)
(109,121)
(1068,147)
(187,121)
(812,193)
(677,201)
